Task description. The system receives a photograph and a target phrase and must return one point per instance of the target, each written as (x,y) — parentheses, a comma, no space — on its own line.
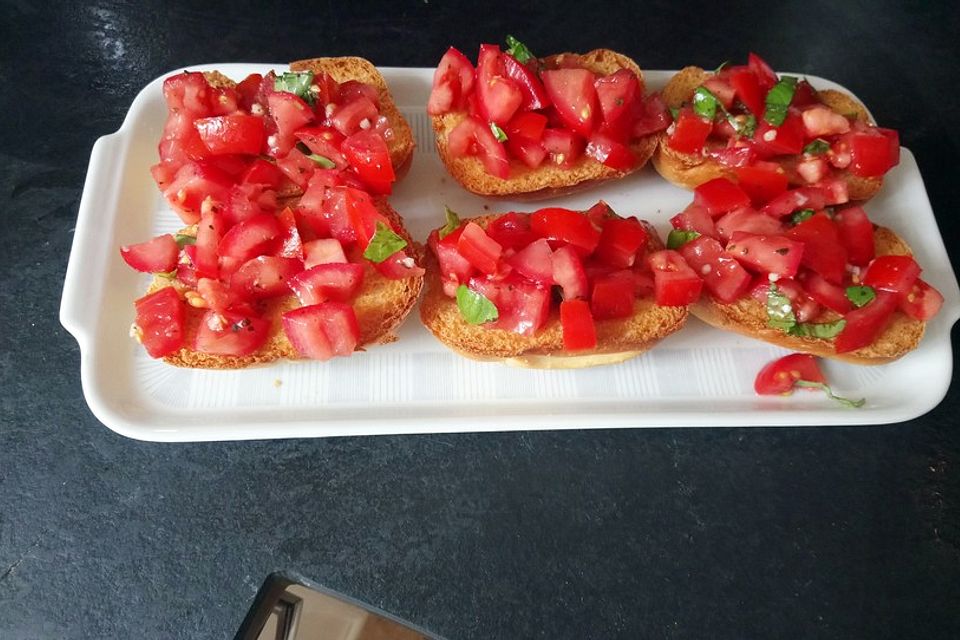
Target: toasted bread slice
(617,340)
(748,316)
(690,170)
(546,181)
(381,306)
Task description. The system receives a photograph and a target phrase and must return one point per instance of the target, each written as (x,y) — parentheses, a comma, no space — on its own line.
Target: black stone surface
(675,533)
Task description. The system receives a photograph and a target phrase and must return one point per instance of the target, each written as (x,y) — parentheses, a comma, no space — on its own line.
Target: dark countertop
(682,533)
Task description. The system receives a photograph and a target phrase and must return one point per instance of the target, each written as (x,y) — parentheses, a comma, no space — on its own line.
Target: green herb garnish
(778,100)
(475,307)
(745,127)
(518,50)
(323,161)
(853,404)
(498,133)
(384,243)
(722,66)
(183,239)
(817,147)
(674,112)
(800,216)
(860,295)
(705,103)
(295,83)
(679,237)
(824,330)
(779,310)
(453,223)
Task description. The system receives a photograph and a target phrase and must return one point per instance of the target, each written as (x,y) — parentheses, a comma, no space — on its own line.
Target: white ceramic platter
(697,377)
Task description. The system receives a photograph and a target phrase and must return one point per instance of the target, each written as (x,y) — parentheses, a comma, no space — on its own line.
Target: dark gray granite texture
(665,533)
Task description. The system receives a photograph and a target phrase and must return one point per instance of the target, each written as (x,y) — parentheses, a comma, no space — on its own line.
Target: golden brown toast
(690,170)
(617,340)
(546,181)
(381,306)
(748,317)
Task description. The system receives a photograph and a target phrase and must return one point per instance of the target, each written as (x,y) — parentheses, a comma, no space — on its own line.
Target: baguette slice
(748,317)
(402,143)
(381,306)
(617,340)
(690,170)
(546,181)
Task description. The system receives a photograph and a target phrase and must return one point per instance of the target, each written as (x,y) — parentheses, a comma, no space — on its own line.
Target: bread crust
(748,317)
(617,339)
(691,170)
(546,181)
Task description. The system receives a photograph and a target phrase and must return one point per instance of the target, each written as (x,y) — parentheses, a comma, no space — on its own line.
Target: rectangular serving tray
(697,377)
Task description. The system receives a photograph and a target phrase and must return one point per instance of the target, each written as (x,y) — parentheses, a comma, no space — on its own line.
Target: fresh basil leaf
(323,161)
(498,133)
(475,307)
(518,50)
(183,239)
(860,295)
(453,222)
(800,216)
(847,402)
(674,112)
(723,65)
(823,330)
(779,310)
(817,147)
(384,243)
(705,103)
(679,237)
(295,83)
(778,100)
(745,127)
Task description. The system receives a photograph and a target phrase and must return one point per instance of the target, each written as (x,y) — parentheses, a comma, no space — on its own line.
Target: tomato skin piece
(160,320)
(895,274)
(576,321)
(856,234)
(762,183)
(921,302)
(534,95)
(620,241)
(230,333)
(612,296)
(822,250)
(864,325)
(322,331)
(766,254)
(238,133)
(158,255)
(722,275)
(574,97)
(368,154)
(452,82)
(690,132)
(719,196)
(780,376)
(565,226)
(479,249)
(675,283)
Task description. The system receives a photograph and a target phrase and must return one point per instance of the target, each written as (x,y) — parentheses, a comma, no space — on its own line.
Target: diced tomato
(362,214)
(250,238)
(289,113)
(834,189)
(188,91)
(454,268)
(723,276)
(511,231)
(762,182)
(576,321)
(617,95)
(248,90)
(780,376)
(652,118)
(822,250)
(864,325)
(565,226)
(230,333)
(921,302)
(331,281)
(749,220)
(606,150)
(398,266)
(263,172)
(324,141)
(236,133)
(690,132)
(534,95)
(193,184)
(349,118)
(574,97)
(795,200)
(747,88)
(821,121)
(787,139)
(613,295)
(874,152)
(498,96)
(813,169)
(322,331)
(829,295)
(720,195)
(297,167)
(732,156)
(158,255)
(527,126)
(452,82)
(291,244)
(804,95)
(473,138)
(694,218)
(323,251)
(621,239)
(766,76)
(674,282)
(805,308)
(563,146)
(856,234)
(528,152)
(766,254)
(160,322)
(353,89)
(523,306)
(895,274)
(265,276)
(368,154)
(217,295)
(478,248)
(534,262)
(568,272)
